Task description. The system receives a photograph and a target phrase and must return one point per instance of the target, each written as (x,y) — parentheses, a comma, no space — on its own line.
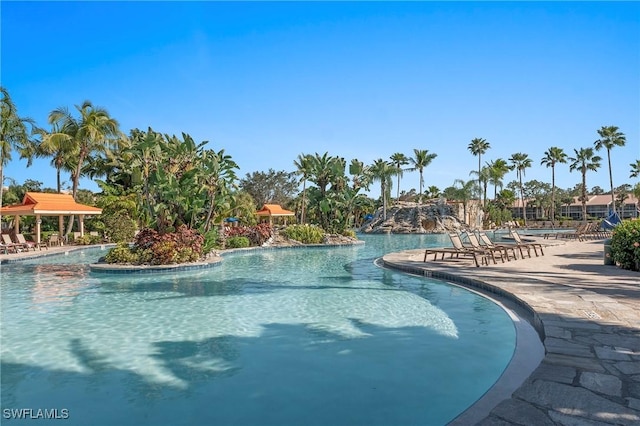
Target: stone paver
(588,318)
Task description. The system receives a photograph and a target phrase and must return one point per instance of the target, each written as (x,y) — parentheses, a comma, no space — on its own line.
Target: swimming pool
(311,336)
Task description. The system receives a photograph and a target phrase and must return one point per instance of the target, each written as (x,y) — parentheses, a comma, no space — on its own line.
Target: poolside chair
(484,255)
(54,240)
(535,246)
(8,248)
(578,233)
(9,244)
(493,250)
(31,244)
(457,250)
(490,251)
(485,240)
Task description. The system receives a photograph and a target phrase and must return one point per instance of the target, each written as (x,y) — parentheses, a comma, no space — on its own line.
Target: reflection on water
(323,329)
(57,285)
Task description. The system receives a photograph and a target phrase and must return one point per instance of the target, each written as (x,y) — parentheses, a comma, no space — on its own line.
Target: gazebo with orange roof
(40,204)
(274,210)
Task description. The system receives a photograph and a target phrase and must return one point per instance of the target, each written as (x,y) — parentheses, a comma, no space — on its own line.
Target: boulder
(414,218)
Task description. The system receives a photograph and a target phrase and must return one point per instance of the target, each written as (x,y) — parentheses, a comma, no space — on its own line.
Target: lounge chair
(9,244)
(492,251)
(457,250)
(54,240)
(579,233)
(8,248)
(30,244)
(456,240)
(535,246)
(486,241)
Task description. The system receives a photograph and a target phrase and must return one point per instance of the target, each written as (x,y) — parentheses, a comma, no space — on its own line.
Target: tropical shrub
(119,227)
(237,242)
(306,234)
(210,241)
(349,233)
(153,248)
(121,254)
(257,235)
(87,239)
(625,244)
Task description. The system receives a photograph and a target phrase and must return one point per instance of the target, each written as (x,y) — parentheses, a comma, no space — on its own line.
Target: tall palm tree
(610,137)
(479,146)
(635,169)
(398,159)
(584,161)
(92,132)
(304,165)
(383,171)
(13,135)
(483,179)
(497,170)
(421,159)
(520,162)
(463,194)
(59,146)
(552,156)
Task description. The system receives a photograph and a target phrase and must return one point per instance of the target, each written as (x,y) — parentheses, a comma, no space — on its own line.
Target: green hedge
(237,242)
(306,234)
(625,245)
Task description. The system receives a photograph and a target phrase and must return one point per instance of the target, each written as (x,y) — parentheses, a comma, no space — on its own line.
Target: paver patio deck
(588,317)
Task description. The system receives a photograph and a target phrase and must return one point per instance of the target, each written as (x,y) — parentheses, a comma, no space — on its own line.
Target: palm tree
(13,135)
(552,156)
(520,162)
(383,171)
(497,170)
(433,191)
(92,132)
(303,163)
(59,147)
(610,137)
(398,160)
(421,160)
(463,194)
(479,146)
(483,181)
(584,161)
(635,169)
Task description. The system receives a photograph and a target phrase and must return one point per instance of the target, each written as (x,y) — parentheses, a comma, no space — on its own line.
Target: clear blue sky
(268,81)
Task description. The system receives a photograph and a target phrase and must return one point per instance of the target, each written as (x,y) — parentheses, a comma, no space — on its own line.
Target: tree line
(172,180)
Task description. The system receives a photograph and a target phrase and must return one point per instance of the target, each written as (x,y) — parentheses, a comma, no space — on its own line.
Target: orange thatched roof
(274,210)
(41,203)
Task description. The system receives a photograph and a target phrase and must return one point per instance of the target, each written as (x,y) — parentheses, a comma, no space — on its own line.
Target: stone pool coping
(586,314)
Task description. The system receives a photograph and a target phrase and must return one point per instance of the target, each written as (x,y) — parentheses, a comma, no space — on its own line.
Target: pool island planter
(213,261)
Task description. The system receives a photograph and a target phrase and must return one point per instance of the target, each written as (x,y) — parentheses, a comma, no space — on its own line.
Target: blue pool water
(312,336)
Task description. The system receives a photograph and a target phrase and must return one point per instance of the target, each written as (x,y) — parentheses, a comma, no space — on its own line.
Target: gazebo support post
(38,223)
(60,227)
(16,224)
(81,220)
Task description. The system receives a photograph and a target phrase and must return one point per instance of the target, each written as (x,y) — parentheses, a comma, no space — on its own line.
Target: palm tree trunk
(553,196)
(613,197)
(524,207)
(304,193)
(584,196)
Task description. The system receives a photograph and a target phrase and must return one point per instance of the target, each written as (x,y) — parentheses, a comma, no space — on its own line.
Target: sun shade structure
(274,210)
(40,204)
